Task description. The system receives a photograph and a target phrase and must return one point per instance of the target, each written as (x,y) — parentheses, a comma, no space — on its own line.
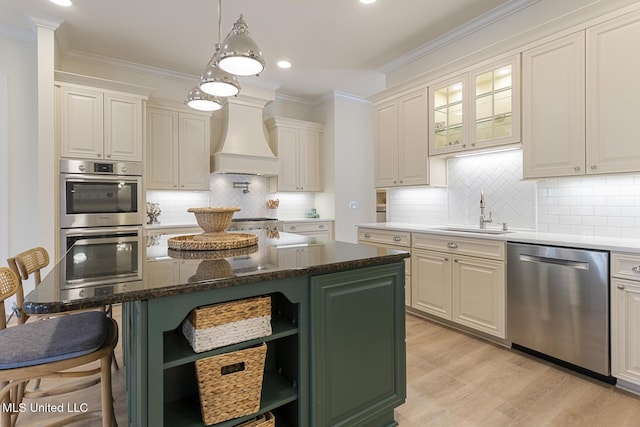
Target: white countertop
(160,225)
(307,219)
(618,244)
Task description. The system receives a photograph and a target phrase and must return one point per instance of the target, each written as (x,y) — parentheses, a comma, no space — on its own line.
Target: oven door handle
(100,178)
(124,239)
(98,231)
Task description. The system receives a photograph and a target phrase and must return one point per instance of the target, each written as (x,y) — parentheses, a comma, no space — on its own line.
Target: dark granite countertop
(165,272)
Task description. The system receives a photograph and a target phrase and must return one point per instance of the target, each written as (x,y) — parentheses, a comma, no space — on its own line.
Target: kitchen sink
(474,230)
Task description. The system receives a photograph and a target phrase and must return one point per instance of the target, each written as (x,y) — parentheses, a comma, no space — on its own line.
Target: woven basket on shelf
(230,384)
(262,420)
(228,323)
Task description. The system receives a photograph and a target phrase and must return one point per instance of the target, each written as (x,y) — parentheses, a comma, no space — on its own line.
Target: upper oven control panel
(102,168)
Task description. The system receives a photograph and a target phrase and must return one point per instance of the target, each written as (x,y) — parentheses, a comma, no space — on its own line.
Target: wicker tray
(227,323)
(219,241)
(230,384)
(262,420)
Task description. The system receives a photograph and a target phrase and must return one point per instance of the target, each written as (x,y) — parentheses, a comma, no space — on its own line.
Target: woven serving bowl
(214,220)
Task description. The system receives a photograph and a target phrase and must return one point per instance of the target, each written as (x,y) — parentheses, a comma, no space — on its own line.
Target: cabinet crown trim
(272,122)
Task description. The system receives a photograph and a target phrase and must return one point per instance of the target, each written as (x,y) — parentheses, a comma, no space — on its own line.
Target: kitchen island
(337,352)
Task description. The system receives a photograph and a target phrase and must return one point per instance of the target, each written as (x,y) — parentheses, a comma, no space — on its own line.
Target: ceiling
(340,45)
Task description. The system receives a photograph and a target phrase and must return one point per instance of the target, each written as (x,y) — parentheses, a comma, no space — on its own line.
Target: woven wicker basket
(213,220)
(230,384)
(262,420)
(228,323)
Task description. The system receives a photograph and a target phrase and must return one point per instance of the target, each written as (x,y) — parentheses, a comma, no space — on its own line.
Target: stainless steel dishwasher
(558,305)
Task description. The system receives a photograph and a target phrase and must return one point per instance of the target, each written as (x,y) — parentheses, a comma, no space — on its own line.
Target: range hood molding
(243,146)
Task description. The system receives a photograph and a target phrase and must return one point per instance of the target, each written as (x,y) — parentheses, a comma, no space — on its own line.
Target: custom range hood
(243,146)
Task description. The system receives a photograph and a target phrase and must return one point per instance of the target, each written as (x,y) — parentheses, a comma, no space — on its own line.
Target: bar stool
(49,349)
(31,262)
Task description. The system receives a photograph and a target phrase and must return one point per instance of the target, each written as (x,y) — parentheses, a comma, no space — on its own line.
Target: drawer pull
(621,287)
(321,226)
(367,235)
(636,269)
(452,245)
(397,238)
(293,227)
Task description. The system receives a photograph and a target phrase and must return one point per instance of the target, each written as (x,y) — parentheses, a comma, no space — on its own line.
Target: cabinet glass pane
(484,83)
(448,115)
(493,104)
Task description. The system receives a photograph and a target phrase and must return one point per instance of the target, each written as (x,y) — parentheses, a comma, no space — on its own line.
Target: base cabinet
(625,320)
(336,356)
(460,280)
(358,356)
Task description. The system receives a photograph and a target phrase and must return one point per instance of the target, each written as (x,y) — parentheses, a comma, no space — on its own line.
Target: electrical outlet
(353,204)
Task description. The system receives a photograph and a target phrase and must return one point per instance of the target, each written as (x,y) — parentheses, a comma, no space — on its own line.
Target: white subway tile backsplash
(596,205)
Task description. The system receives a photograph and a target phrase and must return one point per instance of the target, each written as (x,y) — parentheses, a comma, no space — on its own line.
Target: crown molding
(44,21)
(462,31)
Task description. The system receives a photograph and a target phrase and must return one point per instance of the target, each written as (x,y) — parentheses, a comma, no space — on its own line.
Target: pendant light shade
(217,82)
(240,55)
(199,100)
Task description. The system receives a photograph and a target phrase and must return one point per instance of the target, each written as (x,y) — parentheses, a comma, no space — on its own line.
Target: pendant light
(214,80)
(240,55)
(199,100)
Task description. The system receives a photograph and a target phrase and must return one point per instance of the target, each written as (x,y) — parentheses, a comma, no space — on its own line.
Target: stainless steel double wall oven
(101,204)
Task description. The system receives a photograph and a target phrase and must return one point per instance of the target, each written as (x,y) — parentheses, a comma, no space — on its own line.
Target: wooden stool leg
(108,415)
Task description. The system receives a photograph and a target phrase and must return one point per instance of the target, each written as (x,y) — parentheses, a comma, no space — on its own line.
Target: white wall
(19,66)
(348,164)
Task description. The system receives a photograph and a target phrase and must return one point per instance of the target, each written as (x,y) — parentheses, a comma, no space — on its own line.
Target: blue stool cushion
(51,340)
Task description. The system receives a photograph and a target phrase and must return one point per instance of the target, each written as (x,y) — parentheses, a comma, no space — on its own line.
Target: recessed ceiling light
(283,63)
(367,1)
(65,3)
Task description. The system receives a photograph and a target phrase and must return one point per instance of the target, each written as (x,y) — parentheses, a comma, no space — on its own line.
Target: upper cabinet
(99,124)
(553,131)
(477,109)
(297,145)
(591,75)
(613,87)
(401,154)
(178,149)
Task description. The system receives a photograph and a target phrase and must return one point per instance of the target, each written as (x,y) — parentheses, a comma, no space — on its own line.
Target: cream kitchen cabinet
(99,124)
(389,239)
(309,228)
(461,280)
(401,156)
(401,148)
(297,145)
(625,320)
(612,86)
(477,109)
(178,148)
(591,75)
(553,108)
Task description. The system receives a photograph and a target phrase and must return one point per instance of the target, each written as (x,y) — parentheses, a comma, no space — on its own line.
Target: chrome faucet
(483,219)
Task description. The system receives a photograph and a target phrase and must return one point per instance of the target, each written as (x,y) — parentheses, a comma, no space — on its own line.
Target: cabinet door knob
(455,260)
(594,167)
(621,287)
(636,269)
(321,226)
(446,258)
(452,245)
(367,235)
(397,238)
(577,169)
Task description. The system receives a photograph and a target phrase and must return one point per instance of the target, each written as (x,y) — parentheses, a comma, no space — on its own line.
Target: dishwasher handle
(579,265)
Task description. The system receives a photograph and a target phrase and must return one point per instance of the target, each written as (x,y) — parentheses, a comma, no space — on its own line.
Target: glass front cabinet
(477,109)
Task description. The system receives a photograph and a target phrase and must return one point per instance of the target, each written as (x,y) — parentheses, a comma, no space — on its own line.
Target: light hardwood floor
(457,380)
